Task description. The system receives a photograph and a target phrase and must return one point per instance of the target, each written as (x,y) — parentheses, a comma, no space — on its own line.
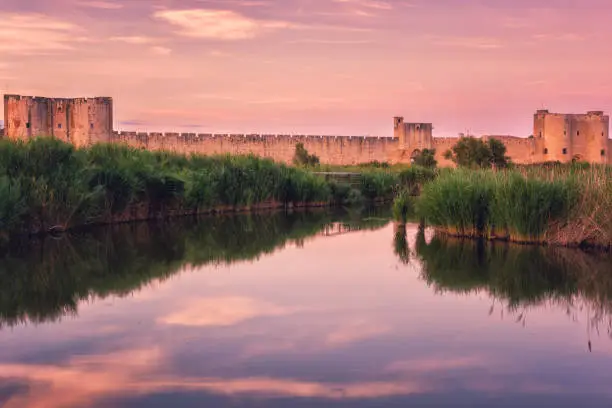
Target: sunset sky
(342,67)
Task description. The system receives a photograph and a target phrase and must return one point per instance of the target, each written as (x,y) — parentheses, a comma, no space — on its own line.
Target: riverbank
(550,205)
(47,185)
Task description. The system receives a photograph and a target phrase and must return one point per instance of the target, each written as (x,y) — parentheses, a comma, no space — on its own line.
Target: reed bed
(562,205)
(46,184)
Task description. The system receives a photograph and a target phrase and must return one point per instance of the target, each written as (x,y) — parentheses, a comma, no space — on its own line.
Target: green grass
(46,183)
(458,201)
(563,205)
(404,207)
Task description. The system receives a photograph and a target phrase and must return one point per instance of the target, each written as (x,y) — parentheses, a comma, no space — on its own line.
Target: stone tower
(567,137)
(413,137)
(80,121)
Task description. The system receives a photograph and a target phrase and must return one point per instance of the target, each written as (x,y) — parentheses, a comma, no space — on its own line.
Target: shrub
(302,158)
(426,158)
(476,153)
(378,185)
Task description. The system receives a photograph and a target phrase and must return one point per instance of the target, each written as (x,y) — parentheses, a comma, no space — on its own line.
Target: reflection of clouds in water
(133,372)
(355,330)
(223,311)
(423,365)
(336,326)
(83,381)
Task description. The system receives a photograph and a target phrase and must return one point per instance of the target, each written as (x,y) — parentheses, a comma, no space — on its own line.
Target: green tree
(476,153)
(301,156)
(498,153)
(426,158)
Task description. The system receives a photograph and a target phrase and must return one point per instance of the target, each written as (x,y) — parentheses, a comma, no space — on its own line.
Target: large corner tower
(80,121)
(569,137)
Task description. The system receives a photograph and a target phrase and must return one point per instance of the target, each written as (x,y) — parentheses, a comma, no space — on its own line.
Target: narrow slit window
(578,133)
(564,151)
(59,125)
(27,125)
(545,151)
(603,152)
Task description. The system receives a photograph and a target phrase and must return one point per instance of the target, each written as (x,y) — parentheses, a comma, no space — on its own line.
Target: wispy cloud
(159,50)
(324,41)
(559,37)
(134,39)
(107,5)
(223,311)
(371,4)
(217,24)
(153,43)
(230,25)
(37,34)
(481,43)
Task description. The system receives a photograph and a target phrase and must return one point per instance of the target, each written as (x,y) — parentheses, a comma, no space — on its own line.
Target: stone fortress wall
(330,149)
(86,121)
(81,121)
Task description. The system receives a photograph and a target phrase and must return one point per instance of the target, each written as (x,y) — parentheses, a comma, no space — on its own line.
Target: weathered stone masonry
(86,121)
(81,121)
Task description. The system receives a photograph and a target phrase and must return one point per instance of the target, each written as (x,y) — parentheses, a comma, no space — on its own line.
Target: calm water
(305,310)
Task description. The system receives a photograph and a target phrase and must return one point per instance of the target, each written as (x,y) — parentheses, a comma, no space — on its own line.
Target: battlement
(279,147)
(590,115)
(511,139)
(243,136)
(95,99)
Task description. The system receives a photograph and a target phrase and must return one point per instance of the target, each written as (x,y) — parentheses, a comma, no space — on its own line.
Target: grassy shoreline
(550,205)
(47,185)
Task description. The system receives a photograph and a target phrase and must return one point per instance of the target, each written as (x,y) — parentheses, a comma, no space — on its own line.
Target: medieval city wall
(87,121)
(339,150)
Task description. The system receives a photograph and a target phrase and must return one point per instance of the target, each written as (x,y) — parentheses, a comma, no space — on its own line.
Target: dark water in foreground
(305,310)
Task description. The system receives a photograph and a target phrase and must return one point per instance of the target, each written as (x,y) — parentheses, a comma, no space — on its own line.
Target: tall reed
(46,183)
(507,204)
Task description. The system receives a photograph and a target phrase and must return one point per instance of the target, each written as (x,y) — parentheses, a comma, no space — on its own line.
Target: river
(310,309)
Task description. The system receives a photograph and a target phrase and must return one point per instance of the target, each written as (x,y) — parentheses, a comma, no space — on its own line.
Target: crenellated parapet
(279,147)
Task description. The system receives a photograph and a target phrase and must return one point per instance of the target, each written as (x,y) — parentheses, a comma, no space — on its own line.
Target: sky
(334,67)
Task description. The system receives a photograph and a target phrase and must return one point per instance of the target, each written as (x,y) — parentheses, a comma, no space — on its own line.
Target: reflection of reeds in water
(520,278)
(45,280)
(400,243)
